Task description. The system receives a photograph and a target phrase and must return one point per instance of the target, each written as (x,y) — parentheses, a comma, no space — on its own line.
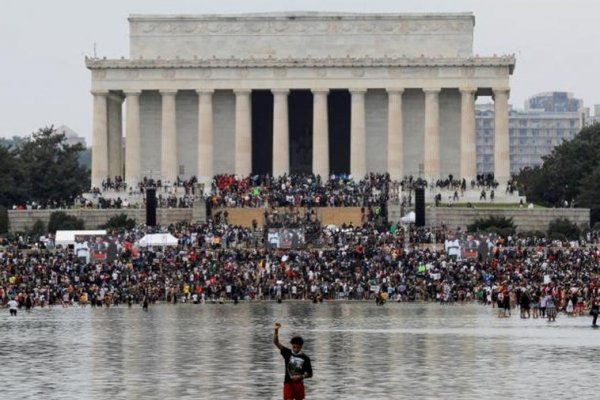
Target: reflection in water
(359,351)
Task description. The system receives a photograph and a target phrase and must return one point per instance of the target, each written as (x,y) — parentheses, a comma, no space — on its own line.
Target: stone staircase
(472,196)
(135,198)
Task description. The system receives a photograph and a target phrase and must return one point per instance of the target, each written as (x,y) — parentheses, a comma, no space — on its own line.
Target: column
(243,133)
(501,138)
(358,157)
(281,137)
(133,139)
(169,137)
(115,136)
(468,148)
(432,133)
(320,143)
(100,139)
(395,155)
(205,137)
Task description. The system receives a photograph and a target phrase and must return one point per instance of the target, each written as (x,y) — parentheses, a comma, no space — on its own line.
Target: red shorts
(293,391)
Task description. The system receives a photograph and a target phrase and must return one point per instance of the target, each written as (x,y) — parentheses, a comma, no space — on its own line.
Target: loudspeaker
(151,207)
(420,206)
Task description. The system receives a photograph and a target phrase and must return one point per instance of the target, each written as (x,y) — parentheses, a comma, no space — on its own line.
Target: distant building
(547,120)
(71,136)
(594,119)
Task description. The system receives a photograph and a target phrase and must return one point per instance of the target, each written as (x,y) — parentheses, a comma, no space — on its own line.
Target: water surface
(359,351)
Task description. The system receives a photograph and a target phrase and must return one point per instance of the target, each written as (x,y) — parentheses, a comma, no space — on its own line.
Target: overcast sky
(43,79)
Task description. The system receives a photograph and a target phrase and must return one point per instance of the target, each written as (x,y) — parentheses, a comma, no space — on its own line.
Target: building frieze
(347,62)
(301,23)
(312,28)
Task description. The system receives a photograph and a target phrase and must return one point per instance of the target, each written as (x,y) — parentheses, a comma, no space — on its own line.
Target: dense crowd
(221,262)
(118,184)
(306,190)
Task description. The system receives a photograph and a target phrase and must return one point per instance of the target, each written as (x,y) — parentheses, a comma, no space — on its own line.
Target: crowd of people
(402,192)
(178,194)
(118,184)
(305,190)
(218,262)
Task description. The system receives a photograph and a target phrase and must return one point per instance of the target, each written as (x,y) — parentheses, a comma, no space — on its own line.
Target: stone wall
(327,215)
(282,35)
(92,218)
(525,219)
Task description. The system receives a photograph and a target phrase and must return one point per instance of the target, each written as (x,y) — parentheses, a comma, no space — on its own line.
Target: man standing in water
(297,366)
(13,306)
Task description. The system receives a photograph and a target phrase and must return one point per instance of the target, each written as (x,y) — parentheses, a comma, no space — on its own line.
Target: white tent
(158,239)
(65,238)
(409,218)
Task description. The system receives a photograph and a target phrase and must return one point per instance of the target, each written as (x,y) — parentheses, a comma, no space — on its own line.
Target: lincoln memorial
(296,92)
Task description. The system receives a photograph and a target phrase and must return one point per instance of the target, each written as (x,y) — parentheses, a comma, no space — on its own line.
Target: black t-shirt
(295,364)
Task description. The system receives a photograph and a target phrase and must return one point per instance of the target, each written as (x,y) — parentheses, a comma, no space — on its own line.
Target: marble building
(315,92)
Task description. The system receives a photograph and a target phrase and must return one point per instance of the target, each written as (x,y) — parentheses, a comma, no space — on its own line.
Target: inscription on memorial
(261,27)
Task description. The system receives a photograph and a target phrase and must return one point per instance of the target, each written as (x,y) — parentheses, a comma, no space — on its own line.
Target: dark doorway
(262,132)
(300,112)
(338,114)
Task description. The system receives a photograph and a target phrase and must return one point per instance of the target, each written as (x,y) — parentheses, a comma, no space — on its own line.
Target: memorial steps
(473,196)
(326,215)
(135,198)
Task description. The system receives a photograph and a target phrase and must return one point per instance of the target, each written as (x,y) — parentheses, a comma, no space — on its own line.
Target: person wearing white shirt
(12,306)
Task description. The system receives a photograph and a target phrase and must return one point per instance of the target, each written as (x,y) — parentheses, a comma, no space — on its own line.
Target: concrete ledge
(524,218)
(92,218)
(327,215)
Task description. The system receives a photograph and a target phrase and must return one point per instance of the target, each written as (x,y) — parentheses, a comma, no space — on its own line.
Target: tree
(61,221)
(119,222)
(85,158)
(11,177)
(500,225)
(559,227)
(15,141)
(38,229)
(567,174)
(589,194)
(3,220)
(51,167)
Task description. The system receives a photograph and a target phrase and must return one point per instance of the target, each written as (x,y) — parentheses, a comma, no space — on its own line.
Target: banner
(285,238)
(96,248)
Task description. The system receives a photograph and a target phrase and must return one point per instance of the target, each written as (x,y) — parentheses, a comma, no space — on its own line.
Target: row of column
(106,152)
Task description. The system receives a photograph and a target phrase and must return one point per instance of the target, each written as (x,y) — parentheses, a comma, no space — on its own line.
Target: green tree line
(569,175)
(42,168)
